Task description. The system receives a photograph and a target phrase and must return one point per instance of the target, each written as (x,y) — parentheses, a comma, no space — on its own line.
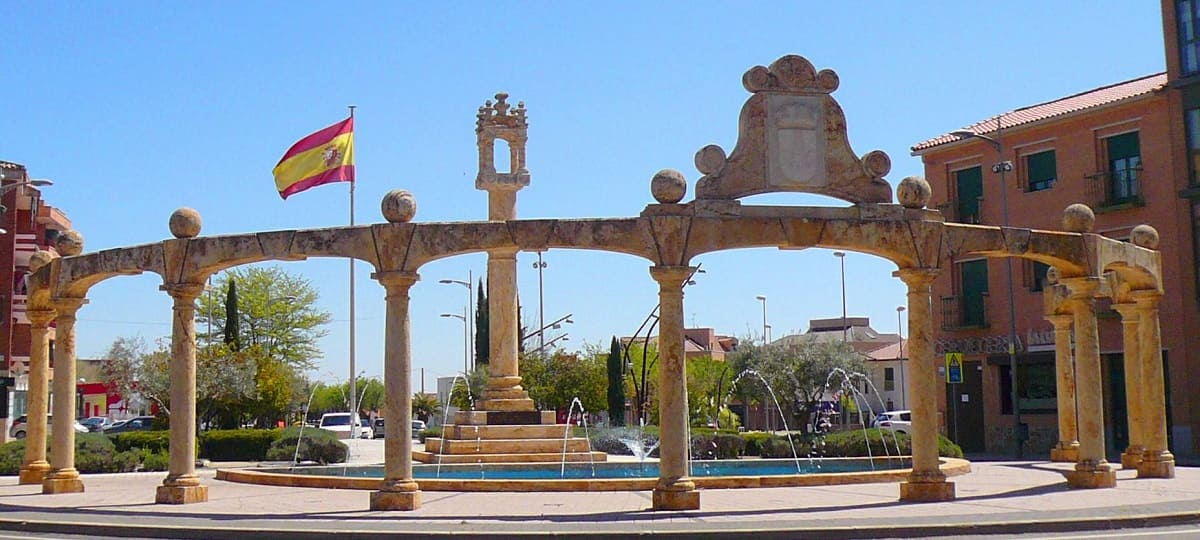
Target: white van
(340,423)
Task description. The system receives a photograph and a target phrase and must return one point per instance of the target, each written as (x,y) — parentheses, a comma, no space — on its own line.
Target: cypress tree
(232,333)
(616,384)
(482,341)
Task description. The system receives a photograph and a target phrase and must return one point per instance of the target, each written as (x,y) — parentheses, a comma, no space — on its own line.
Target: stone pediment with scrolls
(792,138)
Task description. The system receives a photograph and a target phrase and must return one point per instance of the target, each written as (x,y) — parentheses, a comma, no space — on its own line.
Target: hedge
(238,444)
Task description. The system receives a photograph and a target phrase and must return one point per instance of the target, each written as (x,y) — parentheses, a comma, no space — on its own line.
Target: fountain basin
(621,476)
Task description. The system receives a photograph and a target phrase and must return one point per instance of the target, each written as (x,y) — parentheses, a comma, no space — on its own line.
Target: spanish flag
(324,157)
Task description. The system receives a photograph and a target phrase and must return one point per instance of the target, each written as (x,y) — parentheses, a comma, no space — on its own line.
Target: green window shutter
(1123,146)
(969,184)
(1042,168)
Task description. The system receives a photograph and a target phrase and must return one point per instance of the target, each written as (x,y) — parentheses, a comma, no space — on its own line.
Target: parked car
(18,429)
(378,430)
(137,423)
(96,423)
(339,423)
(898,421)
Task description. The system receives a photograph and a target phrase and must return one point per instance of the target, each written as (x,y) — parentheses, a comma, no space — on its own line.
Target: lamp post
(766,327)
(845,327)
(541,265)
(552,342)
(900,332)
(470,312)
(466,339)
(1002,167)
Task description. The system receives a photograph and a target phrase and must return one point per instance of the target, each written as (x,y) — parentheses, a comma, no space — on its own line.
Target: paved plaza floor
(996,497)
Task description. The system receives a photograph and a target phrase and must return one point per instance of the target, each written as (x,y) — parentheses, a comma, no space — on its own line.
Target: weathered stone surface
(69,243)
(668,186)
(914,192)
(1079,218)
(185,223)
(398,206)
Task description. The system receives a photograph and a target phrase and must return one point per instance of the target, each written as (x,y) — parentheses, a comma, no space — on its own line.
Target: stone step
(545,457)
(504,446)
(535,431)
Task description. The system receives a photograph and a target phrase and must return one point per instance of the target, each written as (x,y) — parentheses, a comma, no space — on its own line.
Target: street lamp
(1002,167)
(5,188)
(900,357)
(541,265)
(845,327)
(466,340)
(552,342)
(470,311)
(766,327)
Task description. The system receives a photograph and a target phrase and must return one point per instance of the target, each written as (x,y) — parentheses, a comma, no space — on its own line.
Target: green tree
(464,391)
(796,373)
(482,333)
(703,375)
(270,308)
(133,368)
(616,384)
(424,406)
(642,358)
(553,380)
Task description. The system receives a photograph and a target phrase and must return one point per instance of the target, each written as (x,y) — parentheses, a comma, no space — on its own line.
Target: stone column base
(395,500)
(181,494)
(1156,469)
(926,491)
(1100,478)
(62,485)
(1064,454)
(506,404)
(34,473)
(676,500)
(1131,458)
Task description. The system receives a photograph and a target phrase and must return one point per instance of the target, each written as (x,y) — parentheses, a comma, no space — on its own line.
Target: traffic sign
(954,363)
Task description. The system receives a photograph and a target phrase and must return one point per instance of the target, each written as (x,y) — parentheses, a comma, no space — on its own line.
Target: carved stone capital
(66,307)
(671,276)
(40,318)
(183,291)
(396,282)
(1081,288)
(1061,322)
(917,278)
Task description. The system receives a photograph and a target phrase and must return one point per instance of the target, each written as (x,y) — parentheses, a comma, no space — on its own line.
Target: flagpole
(353,373)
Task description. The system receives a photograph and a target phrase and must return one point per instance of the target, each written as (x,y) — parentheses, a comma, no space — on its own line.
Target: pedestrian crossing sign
(954,362)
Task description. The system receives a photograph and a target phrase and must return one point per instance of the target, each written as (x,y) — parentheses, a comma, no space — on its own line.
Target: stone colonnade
(1080,387)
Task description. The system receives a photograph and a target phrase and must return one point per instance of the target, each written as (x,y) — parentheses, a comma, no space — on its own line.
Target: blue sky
(137,108)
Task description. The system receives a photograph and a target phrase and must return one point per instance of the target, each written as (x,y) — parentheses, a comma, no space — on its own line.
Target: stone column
(34,468)
(1067,449)
(182,485)
(63,477)
(1092,470)
(1157,460)
(926,483)
(674,491)
(399,491)
(503,392)
(1134,398)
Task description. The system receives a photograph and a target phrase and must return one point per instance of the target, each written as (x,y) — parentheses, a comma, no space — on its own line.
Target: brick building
(1110,148)
(29,224)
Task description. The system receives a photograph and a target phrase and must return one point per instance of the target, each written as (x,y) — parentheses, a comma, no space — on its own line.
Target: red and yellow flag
(321,158)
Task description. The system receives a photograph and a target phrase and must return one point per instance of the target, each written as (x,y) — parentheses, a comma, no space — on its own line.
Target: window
(973,287)
(1040,171)
(1036,387)
(1124,164)
(889,379)
(969,189)
(1191,124)
(1036,274)
(1187,17)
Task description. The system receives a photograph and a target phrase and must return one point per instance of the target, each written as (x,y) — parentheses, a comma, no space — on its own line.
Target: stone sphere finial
(39,259)
(1078,218)
(69,243)
(1052,275)
(914,192)
(185,223)
(399,206)
(1144,236)
(668,186)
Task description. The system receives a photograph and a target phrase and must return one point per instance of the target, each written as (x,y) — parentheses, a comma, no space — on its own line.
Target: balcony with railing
(962,312)
(1115,189)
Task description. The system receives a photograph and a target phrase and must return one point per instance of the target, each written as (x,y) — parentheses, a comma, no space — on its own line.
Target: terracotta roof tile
(1035,113)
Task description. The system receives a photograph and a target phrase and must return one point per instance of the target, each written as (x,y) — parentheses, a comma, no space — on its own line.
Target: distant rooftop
(1098,97)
